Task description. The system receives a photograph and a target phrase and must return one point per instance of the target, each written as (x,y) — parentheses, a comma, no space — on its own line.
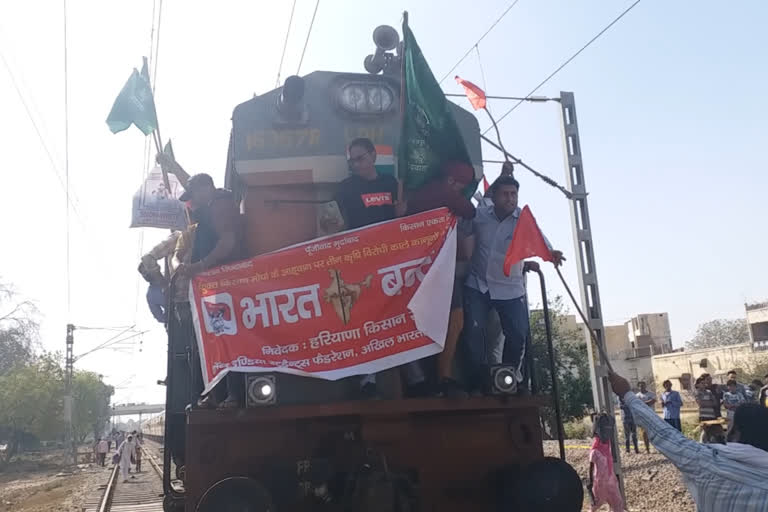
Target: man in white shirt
(102,447)
(648,398)
(488,288)
(720,478)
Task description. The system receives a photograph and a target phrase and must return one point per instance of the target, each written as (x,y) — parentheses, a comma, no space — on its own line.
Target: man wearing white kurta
(126,451)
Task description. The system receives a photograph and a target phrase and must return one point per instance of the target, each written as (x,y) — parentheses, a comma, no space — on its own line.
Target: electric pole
(585,265)
(69,440)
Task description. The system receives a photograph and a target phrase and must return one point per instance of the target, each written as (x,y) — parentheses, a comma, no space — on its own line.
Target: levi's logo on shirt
(377,199)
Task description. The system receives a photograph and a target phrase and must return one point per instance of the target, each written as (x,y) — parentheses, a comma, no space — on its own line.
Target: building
(630,346)
(757,320)
(684,367)
(649,334)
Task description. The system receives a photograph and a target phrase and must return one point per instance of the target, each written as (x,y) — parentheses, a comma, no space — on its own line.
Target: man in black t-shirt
(367,197)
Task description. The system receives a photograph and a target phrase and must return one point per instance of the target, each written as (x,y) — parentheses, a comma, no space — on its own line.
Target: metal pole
(69,442)
(585,264)
(552,367)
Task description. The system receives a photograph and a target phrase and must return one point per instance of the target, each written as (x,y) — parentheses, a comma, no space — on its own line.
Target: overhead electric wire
(66,161)
(103,344)
(116,328)
(54,166)
(480,64)
(306,41)
(156,44)
(514,3)
(154,52)
(285,43)
(568,61)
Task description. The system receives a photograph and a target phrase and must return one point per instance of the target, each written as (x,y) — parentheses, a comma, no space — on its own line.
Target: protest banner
(156,206)
(354,303)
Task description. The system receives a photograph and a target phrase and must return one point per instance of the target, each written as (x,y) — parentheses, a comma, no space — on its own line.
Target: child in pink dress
(603,486)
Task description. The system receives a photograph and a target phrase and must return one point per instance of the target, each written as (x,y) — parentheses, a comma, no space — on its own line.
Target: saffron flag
(134,105)
(527,241)
(475,95)
(485,184)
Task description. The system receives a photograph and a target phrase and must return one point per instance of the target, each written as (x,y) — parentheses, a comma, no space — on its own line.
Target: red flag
(527,241)
(475,94)
(485,185)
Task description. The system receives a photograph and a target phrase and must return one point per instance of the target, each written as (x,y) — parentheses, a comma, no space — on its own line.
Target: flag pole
(400,184)
(586,322)
(515,160)
(498,135)
(159,145)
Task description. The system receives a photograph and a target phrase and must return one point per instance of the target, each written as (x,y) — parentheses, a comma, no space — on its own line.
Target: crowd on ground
(731,476)
(215,237)
(711,399)
(128,451)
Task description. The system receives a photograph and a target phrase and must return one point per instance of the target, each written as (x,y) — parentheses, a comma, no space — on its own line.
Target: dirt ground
(652,483)
(38,482)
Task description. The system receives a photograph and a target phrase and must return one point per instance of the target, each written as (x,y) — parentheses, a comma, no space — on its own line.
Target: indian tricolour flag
(385,160)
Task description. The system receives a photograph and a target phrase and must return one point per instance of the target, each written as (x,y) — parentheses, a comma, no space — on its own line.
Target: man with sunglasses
(367,197)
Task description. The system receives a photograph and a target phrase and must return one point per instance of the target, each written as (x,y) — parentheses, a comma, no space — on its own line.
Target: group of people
(730,477)
(479,283)
(710,398)
(128,450)
(720,477)
(367,197)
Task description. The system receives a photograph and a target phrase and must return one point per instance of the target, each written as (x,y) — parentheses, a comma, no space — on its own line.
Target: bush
(691,430)
(578,429)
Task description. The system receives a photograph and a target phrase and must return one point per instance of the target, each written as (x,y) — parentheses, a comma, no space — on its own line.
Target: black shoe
(369,391)
(449,388)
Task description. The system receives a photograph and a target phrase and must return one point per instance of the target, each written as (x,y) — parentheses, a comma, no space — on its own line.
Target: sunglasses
(359,158)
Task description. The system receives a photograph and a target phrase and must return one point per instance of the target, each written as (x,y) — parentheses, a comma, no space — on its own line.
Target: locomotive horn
(385,38)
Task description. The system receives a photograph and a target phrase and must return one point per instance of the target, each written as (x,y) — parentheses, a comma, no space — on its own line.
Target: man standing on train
(218,239)
(489,235)
(364,198)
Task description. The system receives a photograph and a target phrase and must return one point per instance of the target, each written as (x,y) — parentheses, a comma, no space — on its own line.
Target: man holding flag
(495,279)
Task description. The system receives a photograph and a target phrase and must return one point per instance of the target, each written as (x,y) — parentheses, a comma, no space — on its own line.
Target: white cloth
(126,451)
(102,447)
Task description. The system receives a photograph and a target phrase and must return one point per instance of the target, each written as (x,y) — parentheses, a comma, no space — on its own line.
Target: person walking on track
(101,451)
(127,450)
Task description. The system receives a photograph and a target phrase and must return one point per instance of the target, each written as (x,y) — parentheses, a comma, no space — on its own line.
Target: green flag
(429,135)
(134,105)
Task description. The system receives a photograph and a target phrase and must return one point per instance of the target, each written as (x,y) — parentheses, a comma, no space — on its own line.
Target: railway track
(142,493)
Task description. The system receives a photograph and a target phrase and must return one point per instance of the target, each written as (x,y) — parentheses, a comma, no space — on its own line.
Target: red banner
(354,303)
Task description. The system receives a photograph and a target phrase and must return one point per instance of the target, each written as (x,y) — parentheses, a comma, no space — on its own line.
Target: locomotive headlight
(260,390)
(366,97)
(353,98)
(503,380)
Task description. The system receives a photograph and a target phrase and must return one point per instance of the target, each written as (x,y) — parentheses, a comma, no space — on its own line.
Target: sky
(670,104)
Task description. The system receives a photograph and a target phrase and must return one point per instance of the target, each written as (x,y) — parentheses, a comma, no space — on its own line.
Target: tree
(571,360)
(90,405)
(719,333)
(18,328)
(32,398)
